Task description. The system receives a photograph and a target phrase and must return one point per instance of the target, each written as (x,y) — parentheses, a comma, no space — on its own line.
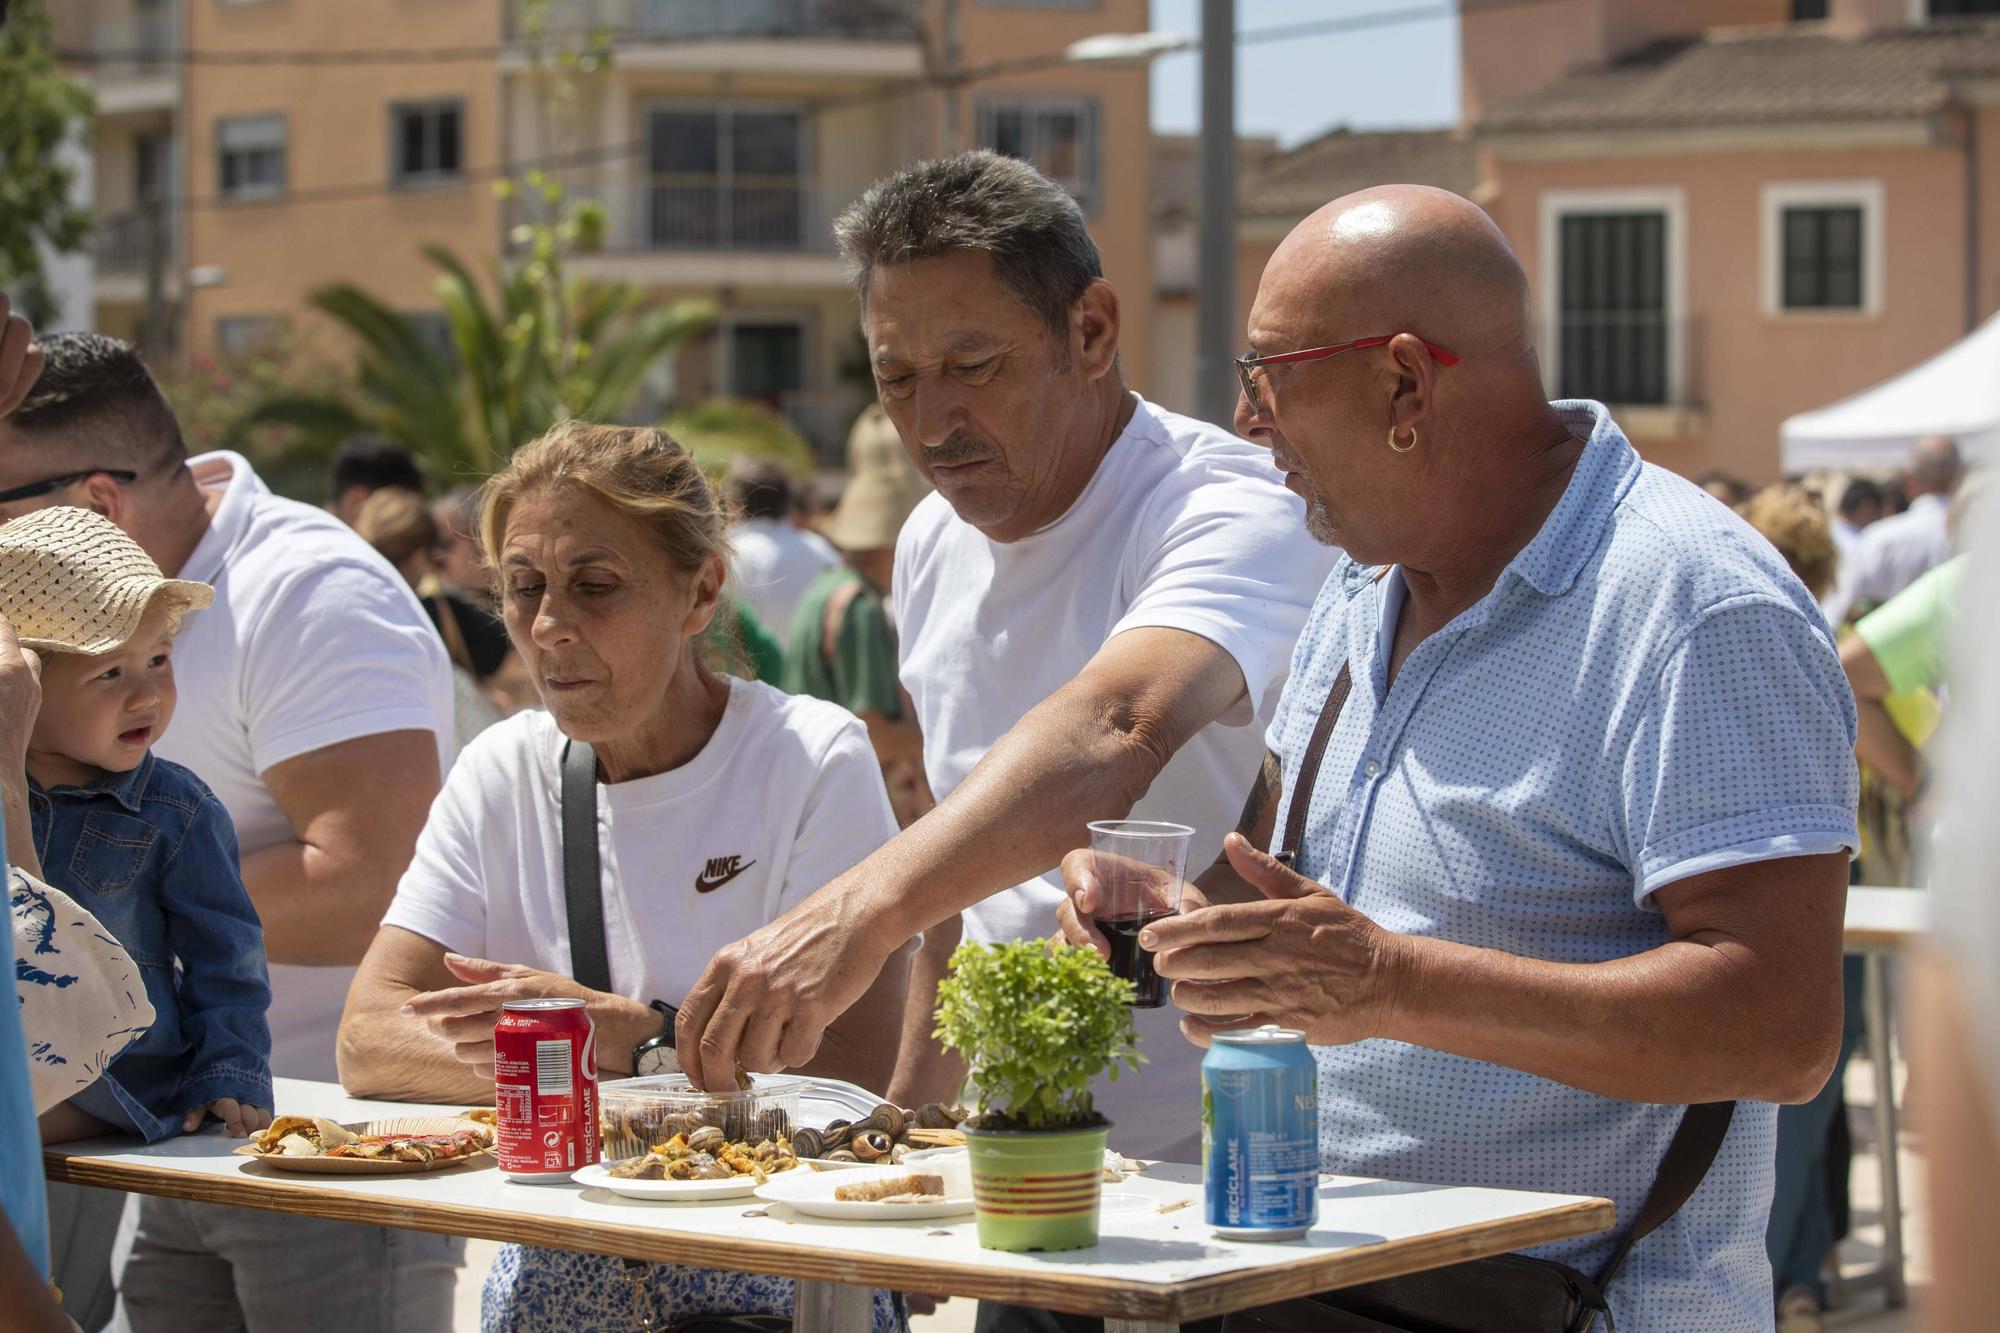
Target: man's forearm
(1012,818)
(295,888)
(1681,1023)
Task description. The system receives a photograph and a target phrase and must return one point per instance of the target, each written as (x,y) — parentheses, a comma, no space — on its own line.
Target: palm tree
(544,349)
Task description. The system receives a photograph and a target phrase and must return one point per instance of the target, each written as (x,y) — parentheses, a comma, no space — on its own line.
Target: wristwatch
(656,1054)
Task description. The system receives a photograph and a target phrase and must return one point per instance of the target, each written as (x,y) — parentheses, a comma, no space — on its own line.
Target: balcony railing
(121,243)
(673,214)
(143,43)
(736,213)
(842,20)
(1627,358)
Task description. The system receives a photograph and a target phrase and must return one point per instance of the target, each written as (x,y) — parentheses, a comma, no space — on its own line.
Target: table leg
(1881,1055)
(833,1307)
(1138,1326)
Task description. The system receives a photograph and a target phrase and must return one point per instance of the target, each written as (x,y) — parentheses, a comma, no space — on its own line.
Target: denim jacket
(153,855)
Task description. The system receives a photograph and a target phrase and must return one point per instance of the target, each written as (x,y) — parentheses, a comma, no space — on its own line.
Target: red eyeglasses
(1246,364)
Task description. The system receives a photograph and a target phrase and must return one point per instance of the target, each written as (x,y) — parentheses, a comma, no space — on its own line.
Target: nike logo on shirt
(719,871)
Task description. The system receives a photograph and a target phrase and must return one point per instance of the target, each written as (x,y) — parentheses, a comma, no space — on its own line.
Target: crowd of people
(1523,772)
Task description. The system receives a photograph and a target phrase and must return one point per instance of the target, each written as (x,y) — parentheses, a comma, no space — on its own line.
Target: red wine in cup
(1130,961)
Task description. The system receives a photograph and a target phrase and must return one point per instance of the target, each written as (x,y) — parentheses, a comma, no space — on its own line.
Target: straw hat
(884,486)
(71,581)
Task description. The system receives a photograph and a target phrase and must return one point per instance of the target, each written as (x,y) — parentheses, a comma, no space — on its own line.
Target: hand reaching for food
(241,1119)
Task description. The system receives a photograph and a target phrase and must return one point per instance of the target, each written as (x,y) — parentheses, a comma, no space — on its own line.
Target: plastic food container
(640,1112)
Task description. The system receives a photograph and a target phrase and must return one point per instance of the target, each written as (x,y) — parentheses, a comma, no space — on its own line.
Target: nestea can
(545,1089)
(1260,1134)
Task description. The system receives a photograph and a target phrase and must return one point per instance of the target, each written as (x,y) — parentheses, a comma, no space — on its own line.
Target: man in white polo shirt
(1097,612)
(315,700)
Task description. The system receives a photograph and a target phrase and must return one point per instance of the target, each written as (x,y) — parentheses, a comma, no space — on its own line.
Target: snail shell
(871,1145)
(807,1142)
(707,1139)
(891,1120)
(900,1154)
(772,1124)
(841,1155)
(836,1133)
(932,1115)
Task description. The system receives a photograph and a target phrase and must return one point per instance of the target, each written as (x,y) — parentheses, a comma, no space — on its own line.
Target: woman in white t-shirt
(721,803)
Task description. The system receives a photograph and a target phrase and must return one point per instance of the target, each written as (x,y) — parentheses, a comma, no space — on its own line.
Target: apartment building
(751,125)
(303,142)
(129,164)
(1726,225)
(1730,211)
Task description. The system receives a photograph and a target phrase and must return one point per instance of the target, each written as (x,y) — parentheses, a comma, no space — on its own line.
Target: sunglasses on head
(35,488)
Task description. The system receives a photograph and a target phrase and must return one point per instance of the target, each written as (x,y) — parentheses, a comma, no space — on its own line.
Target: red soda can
(545,1089)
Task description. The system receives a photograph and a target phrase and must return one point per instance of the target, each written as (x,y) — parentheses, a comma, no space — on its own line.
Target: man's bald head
(1935,467)
(1400,452)
(1402,258)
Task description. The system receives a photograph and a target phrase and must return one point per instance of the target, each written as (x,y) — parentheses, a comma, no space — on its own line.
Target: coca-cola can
(545,1089)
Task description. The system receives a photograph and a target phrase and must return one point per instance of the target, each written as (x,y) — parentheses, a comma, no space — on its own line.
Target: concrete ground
(1857,1254)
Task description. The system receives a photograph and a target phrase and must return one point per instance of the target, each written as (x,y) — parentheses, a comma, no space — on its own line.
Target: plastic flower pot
(1037,1189)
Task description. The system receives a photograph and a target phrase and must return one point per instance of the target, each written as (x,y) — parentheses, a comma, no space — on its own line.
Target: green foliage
(1036,1022)
(541,348)
(718,429)
(214,395)
(39,106)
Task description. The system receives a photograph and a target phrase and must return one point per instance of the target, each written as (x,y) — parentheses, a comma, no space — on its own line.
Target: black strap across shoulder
(583,885)
(1689,1154)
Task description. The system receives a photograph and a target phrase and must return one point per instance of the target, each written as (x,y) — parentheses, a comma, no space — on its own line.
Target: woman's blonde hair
(1794,520)
(641,471)
(397,522)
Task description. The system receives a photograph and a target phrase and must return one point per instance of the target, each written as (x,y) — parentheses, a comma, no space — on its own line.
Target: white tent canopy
(1956,393)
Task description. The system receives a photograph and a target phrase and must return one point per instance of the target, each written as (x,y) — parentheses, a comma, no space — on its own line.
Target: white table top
(1149,1264)
(1885,920)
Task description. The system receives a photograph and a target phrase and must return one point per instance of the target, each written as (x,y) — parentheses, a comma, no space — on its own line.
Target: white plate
(676,1191)
(812,1195)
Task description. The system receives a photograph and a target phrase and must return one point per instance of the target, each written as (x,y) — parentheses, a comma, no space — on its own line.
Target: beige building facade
(1730,211)
(306,142)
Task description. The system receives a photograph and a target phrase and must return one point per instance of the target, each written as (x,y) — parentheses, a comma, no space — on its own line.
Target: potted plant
(1036,1022)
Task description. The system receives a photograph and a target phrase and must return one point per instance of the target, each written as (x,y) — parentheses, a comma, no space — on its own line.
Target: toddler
(138,841)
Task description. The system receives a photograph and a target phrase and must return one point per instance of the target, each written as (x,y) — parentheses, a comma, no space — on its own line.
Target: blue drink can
(1260,1134)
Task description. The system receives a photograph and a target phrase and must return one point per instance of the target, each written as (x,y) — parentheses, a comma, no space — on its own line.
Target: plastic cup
(1140,866)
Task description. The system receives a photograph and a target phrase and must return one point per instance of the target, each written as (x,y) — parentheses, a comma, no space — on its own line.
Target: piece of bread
(875,1191)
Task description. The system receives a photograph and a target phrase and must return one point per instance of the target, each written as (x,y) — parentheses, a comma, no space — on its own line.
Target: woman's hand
(465,1015)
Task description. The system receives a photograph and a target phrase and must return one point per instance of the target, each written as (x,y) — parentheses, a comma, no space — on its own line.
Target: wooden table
(1882,922)
(1155,1266)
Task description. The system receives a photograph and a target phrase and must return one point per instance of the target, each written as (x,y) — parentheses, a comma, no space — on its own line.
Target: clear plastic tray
(639,1112)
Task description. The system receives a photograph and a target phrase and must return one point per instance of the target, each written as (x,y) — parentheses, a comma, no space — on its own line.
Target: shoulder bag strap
(583,885)
(1302,786)
(1689,1155)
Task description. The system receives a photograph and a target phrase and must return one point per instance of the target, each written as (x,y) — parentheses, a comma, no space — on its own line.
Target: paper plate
(360,1166)
(672,1191)
(813,1196)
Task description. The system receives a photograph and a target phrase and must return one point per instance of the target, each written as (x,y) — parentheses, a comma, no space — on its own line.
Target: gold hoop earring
(1402,448)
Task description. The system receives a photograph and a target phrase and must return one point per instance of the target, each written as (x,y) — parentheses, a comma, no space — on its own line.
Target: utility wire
(1374,19)
(643,37)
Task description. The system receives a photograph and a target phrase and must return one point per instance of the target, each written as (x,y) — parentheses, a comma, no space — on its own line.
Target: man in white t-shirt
(774,560)
(315,700)
(1097,613)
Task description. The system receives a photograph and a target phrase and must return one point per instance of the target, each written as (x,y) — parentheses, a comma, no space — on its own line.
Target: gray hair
(984,202)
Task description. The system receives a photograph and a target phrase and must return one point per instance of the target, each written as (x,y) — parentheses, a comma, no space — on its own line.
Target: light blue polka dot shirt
(1646,694)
